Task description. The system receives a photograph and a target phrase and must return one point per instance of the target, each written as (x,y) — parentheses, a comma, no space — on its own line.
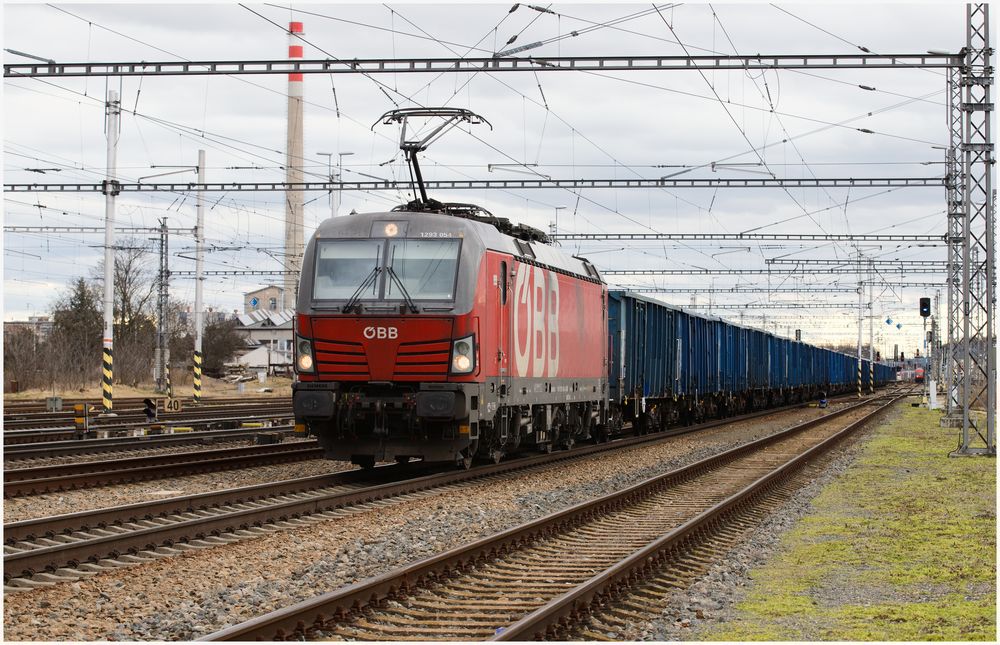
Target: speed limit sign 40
(172,405)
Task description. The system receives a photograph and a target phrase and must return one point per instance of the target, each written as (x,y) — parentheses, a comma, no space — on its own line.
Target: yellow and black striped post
(170,389)
(859,379)
(80,420)
(871,377)
(197,377)
(107,380)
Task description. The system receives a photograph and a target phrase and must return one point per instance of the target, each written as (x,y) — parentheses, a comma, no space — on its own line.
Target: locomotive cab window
(343,266)
(426,269)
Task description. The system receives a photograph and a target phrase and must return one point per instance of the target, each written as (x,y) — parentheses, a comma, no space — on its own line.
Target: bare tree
(73,349)
(21,357)
(135,315)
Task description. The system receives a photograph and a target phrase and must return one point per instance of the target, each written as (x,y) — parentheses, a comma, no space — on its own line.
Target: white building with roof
(269,340)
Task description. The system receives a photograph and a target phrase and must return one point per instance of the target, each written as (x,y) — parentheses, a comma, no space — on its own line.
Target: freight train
(453,335)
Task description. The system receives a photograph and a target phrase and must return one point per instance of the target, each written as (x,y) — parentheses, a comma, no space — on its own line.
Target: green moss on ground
(900,547)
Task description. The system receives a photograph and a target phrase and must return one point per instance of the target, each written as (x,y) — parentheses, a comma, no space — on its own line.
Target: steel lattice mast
(977,353)
(954,189)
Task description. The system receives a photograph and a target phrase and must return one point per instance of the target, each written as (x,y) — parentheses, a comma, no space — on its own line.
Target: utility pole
(162,362)
(338,195)
(113,107)
(199,281)
(554,225)
(871,338)
(861,297)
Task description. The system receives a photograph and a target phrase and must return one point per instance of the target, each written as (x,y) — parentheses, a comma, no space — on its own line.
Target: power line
(476,65)
(756,237)
(775,305)
(776,272)
(854,263)
(696,289)
(481,184)
(92,229)
(191,274)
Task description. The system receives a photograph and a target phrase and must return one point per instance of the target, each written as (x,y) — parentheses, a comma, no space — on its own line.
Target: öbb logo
(381,333)
(536,322)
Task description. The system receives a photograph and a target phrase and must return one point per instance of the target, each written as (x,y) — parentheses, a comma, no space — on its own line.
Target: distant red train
(444,336)
(918,375)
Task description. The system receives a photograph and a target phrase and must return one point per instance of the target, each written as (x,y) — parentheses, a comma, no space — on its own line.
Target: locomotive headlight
(391,229)
(463,355)
(303,349)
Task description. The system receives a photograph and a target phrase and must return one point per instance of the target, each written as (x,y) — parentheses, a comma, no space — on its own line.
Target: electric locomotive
(443,334)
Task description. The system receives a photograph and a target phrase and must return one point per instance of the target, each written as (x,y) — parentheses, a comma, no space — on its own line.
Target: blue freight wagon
(669,366)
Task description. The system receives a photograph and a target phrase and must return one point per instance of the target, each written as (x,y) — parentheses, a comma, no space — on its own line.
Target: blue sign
(254,301)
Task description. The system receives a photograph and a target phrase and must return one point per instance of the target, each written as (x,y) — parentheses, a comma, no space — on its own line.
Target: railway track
(50,547)
(47,546)
(12,407)
(204,419)
(45,479)
(542,578)
(82,447)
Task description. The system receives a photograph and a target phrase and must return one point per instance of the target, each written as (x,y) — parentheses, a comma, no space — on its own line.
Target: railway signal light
(925,307)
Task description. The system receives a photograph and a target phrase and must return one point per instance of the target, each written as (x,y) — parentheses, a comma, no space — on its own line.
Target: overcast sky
(564,125)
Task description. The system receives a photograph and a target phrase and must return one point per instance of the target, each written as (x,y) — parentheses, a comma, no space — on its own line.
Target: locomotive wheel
(366,462)
(465,462)
(496,456)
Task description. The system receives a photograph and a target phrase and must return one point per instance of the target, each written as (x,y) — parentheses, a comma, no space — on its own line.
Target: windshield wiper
(406,296)
(353,300)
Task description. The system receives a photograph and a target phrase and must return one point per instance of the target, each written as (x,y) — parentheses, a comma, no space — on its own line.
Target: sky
(563,125)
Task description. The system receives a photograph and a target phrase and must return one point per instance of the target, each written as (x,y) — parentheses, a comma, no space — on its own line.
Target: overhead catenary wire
(773,165)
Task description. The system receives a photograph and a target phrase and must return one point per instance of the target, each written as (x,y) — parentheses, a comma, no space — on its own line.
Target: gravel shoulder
(200,592)
(900,545)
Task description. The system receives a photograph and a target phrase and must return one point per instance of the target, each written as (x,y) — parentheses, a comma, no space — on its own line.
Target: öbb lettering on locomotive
(445,338)
(381,332)
(536,322)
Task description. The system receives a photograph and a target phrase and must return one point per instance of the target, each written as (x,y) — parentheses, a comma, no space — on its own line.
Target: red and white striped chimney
(295,52)
(293,170)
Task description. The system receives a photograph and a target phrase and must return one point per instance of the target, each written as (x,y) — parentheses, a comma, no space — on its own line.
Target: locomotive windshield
(394,269)
(426,269)
(342,266)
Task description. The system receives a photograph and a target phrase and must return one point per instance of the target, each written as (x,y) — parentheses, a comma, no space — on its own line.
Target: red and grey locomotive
(445,336)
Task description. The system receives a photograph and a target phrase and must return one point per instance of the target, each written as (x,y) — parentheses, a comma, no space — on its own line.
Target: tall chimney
(293,171)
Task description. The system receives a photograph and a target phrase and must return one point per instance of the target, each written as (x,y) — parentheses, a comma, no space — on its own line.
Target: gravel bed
(200,592)
(711,599)
(12,462)
(85,499)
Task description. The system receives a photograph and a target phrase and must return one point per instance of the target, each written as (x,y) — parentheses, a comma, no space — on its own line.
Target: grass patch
(901,547)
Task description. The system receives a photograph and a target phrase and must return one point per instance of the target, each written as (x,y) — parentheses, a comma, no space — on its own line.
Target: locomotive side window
(426,268)
(503,283)
(344,265)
